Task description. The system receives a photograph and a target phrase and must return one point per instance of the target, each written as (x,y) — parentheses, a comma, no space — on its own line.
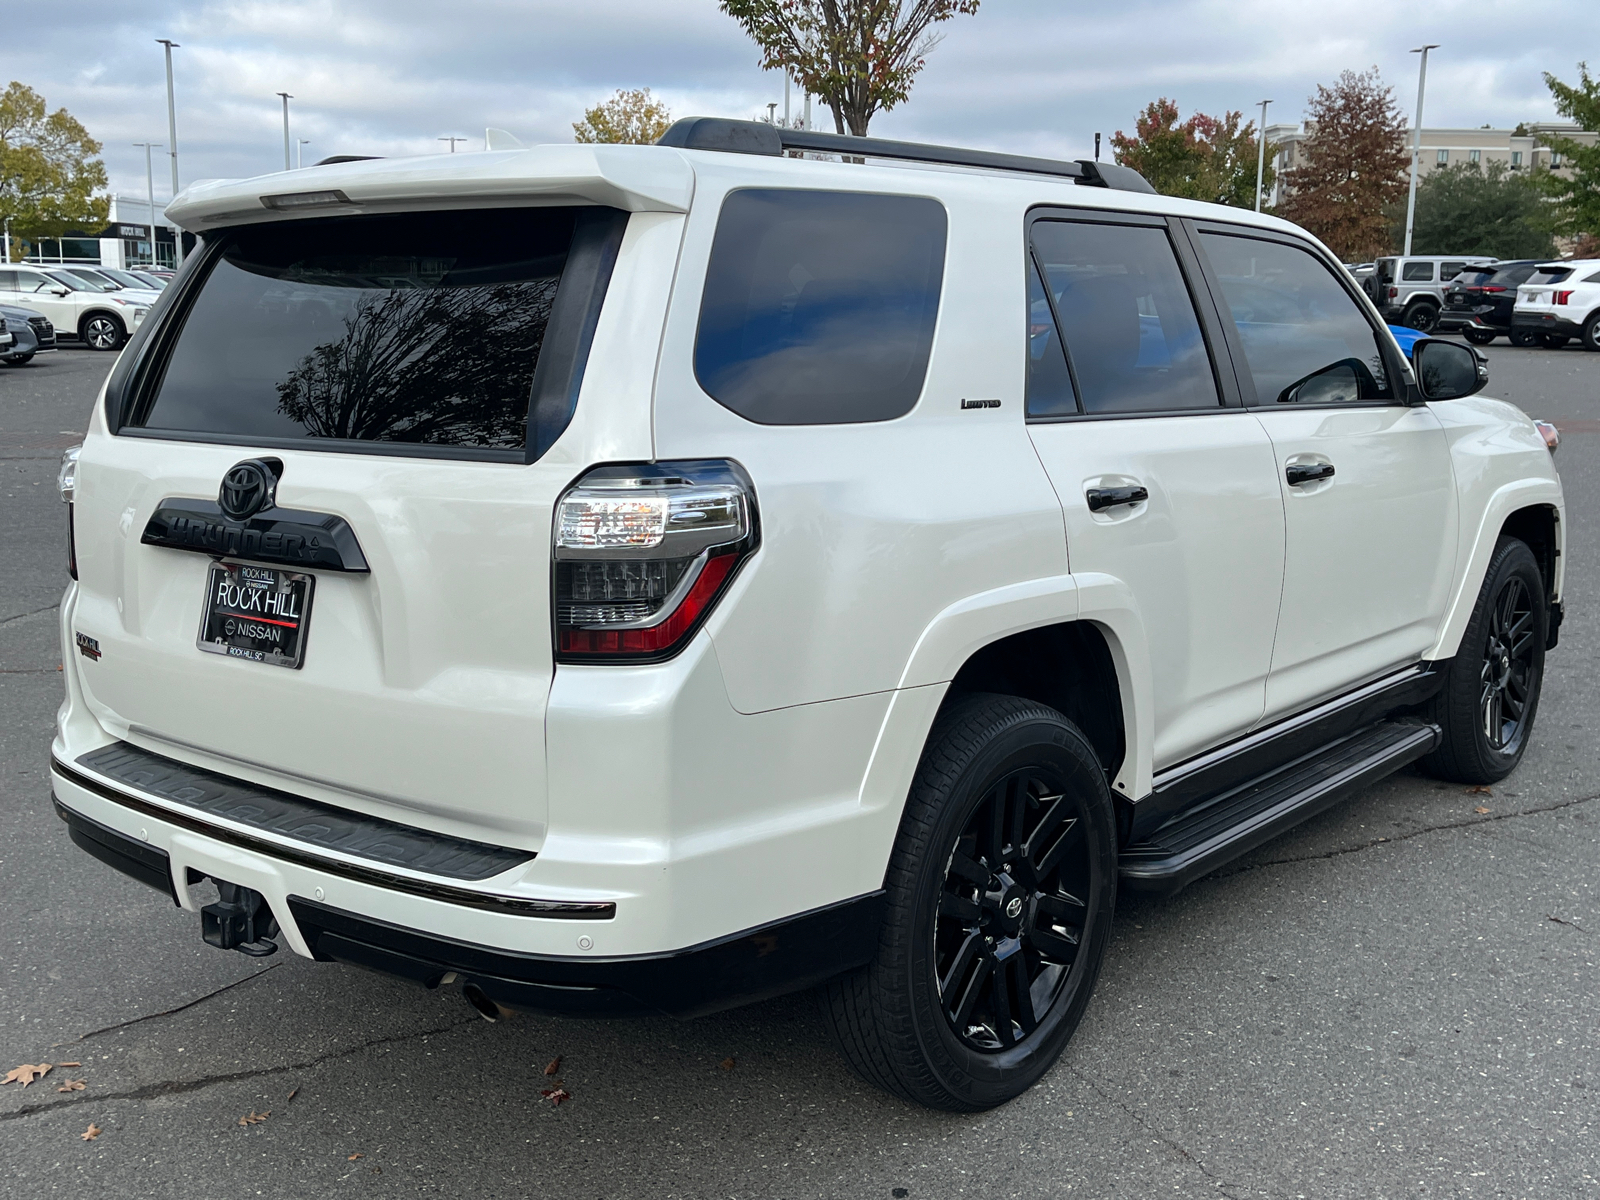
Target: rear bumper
(1539,322)
(744,967)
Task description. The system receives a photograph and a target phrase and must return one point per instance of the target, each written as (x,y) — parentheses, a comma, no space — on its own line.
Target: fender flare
(966,626)
(1523,493)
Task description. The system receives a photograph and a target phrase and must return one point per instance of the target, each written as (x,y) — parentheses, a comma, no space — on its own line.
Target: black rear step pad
(1202,839)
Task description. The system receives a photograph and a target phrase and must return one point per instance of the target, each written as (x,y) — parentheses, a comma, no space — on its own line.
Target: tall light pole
(150,196)
(1416,141)
(299,152)
(286,98)
(1261,152)
(172,141)
(452,141)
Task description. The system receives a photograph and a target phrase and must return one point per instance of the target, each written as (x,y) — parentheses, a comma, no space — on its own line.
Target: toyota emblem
(247,489)
(1014,907)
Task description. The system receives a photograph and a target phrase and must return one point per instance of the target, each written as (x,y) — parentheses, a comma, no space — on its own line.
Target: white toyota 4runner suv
(619,578)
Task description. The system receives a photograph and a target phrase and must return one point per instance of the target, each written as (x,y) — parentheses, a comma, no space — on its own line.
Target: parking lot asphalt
(1400,998)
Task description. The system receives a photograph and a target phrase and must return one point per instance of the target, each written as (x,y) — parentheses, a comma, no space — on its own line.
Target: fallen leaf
(254,1118)
(556,1095)
(69,1064)
(1480,810)
(726,1064)
(1480,790)
(292,1091)
(27,1073)
(91,1133)
(555,1065)
(73,1085)
(353,1157)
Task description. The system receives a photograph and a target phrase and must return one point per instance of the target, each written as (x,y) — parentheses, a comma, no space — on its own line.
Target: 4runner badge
(88,647)
(980,404)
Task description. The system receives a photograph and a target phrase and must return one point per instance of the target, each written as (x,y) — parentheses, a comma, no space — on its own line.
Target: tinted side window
(8,280)
(819,307)
(1295,321)
(1417,272)
(1595,278)
(417,328)
(1450,270)
(1129,325)
(1050,391)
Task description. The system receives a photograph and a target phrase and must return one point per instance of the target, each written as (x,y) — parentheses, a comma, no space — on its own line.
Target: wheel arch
(90,314)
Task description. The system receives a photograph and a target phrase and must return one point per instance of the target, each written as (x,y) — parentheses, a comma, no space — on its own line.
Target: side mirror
(61,291)
(1338,383)
(1448,370)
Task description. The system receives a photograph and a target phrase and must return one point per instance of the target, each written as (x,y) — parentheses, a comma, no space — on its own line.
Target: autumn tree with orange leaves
(859,56)
(1203,158)
(1356,167)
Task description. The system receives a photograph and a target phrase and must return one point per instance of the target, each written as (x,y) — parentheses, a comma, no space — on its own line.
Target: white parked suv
(619,578)
(97,314)
(1561,300)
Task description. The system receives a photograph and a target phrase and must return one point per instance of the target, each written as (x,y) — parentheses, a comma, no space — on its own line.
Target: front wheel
(1553,341)
(18,360)
(1524,337)
(1491,692)
(1422,317)
(1000,890)
(103,332)
(1479,337)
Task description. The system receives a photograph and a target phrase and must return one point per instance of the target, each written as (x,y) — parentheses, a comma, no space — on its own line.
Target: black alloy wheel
(1490,697)
(103,332)
(1421,317)
(1553,341)
(1507,674)
(1524,337)
(1479,337)
(1012,910)
(999,896)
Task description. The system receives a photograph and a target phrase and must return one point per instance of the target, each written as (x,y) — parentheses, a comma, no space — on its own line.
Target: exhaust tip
(487,1008)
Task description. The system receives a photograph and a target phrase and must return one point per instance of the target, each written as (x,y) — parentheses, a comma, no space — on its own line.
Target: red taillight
(1489,288)
(1394,293)
(1563,297)
(643,553)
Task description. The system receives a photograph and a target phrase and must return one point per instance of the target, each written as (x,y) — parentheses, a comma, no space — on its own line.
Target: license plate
(256,613)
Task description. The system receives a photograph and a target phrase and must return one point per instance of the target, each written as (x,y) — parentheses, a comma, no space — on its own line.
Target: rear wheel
(1479,337)
(1591,332)
(1001,889)
(1491,692)
(18,360)
(1553,341)
(1524,337)
(1421,317)
(102,331)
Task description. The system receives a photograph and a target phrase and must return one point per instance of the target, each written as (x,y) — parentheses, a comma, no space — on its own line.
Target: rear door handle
(1101,499)
(1302,473)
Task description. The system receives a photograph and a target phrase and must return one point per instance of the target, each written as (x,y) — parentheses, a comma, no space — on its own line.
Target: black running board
(1205,837)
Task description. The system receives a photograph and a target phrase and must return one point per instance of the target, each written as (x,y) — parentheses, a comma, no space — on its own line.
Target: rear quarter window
(1417,272)
(419,329)
(819,307)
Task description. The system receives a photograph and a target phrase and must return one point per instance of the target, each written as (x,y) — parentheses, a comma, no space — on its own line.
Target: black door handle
(1299,473)
(1104,498)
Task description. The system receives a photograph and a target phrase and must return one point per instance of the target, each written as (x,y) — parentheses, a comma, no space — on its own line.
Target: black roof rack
(758,137)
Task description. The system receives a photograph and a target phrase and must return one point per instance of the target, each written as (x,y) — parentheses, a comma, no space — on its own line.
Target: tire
(1494,679)
(1524,337)
(1591,332)
(102,331)
(1421,317)
(1479,337)
(1553,341)
(1047,912)
(18,360)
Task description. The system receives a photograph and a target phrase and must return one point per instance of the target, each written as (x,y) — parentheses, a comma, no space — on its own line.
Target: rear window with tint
(819,307)
(412,328)
(1510,276)
(1550,275)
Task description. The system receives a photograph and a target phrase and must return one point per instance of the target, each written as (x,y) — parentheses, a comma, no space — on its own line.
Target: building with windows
(1520,149)
(124,240)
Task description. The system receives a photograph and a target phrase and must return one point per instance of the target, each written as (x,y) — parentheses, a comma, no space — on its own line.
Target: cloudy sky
(1031,76)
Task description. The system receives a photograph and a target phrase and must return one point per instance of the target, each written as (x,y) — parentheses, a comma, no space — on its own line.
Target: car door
(1166,483)
(37,291)
(1369,495)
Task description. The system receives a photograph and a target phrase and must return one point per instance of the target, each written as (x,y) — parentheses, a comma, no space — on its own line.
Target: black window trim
(1393,361)
(1189,269)
(557,378)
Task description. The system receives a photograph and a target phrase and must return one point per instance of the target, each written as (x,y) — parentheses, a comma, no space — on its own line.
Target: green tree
(49,168)
(1356,165)
(634,117)
(859,56)
(1203,158)
(1466,209)
(1576,195)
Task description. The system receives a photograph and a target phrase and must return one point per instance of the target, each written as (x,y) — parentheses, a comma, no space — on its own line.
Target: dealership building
(124,241)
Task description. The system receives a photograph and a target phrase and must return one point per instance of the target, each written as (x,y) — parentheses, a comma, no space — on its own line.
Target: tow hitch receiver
(239,920)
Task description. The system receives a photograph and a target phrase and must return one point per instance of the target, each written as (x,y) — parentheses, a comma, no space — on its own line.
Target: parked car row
(98,306)
(1531,301)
